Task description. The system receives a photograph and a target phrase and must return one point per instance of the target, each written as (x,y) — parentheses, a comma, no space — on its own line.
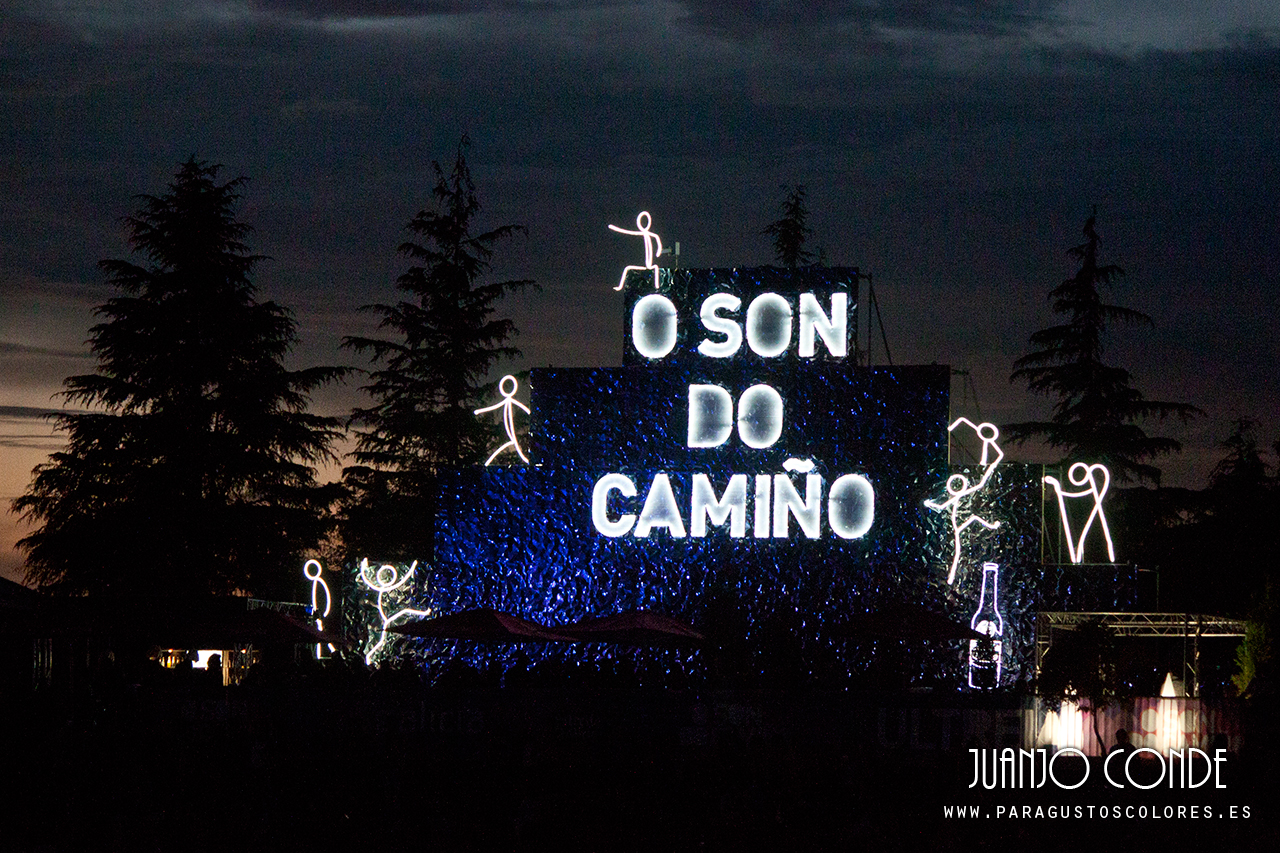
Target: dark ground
(388,765)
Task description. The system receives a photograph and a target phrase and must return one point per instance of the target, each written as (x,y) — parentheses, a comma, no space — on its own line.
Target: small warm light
(1170,690)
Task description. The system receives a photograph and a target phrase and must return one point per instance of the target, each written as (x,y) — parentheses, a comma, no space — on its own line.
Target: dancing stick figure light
(652,248)
(959,488)
(382,581)
(507,404)
(1098,480)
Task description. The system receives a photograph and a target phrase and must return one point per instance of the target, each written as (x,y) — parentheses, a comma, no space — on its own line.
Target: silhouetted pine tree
(1097,409)
(430,375)
(790,231)
(192,471)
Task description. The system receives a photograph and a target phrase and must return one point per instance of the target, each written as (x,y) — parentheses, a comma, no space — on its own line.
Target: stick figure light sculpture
(652,248)
(1096,479)
(507,404)
(959,488)
(383,580)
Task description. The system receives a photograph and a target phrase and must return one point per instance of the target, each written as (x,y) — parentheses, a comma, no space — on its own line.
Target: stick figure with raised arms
(507,404)
(652,248)
(959,488)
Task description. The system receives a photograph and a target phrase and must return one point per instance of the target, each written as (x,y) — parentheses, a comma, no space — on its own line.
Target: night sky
(953,150)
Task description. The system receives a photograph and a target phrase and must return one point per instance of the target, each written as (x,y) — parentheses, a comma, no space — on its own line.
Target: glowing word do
(774,502)
(768,326)
(1098,480)
(711,418)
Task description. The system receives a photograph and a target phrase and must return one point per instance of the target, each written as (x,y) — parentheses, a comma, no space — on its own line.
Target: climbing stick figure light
(652,248)
(959,488)
(507,404)
(1098,479)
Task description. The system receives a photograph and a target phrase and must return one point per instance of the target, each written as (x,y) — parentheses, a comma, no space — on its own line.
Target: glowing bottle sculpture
(985,654)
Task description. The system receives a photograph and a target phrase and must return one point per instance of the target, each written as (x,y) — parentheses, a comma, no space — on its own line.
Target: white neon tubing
(760,416)
(1098,479)
(769,325)
(652,247)
(833,330)
(851,506)
(385,580)
(787,502)
(653,326)
(507,404)
(959,488)
(716,324)
(762,519)
(600,505)
(710,416)
(318,583)
(660,510)
(731,506)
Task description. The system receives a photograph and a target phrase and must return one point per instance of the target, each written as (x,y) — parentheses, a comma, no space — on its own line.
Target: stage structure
(741,472)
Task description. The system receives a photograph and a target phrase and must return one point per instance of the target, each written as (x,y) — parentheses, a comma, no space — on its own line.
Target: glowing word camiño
(1096,479)
(774,502)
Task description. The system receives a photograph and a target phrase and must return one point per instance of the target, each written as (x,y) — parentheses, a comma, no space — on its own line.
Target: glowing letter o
(851,504)
(769,325)
(653,326)
(600,505)
(759,416)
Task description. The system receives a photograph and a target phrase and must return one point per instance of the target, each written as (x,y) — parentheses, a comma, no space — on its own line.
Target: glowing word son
(1098,480)
(774,502)
(652,248)
(317,584)
(767,329)
(386,579)
(985,655)
(507,404)
(959,489)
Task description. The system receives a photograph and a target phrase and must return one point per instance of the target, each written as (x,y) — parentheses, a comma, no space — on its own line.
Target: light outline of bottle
(987,627)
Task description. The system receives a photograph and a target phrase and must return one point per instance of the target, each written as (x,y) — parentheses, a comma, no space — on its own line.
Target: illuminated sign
(652,248)
(508,405)
(960,490)
(383,580)
(1096,479)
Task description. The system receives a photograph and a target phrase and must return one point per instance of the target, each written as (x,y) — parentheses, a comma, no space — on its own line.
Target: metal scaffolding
(1190,627)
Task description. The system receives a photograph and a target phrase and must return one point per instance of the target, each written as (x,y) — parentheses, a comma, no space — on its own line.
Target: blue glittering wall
(522,539)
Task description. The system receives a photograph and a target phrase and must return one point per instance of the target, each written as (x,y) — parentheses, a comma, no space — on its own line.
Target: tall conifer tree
(192,472)
(1097,411)
(430,375)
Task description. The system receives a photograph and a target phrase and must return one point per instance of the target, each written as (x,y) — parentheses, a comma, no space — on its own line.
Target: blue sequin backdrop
(521,538)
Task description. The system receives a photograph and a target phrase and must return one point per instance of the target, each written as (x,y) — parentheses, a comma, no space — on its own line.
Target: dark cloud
(9,348)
